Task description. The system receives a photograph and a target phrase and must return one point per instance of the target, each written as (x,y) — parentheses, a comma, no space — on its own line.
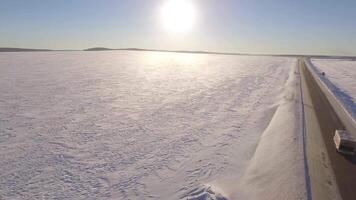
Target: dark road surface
(344,167)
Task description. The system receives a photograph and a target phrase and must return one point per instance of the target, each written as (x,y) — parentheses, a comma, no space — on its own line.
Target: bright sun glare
(178,16)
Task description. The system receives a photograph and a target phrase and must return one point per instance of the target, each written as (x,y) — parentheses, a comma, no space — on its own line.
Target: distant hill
(9,49)
(159,50)
(98,49)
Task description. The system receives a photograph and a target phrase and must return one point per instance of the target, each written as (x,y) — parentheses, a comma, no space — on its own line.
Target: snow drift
(339,85)
(277,168)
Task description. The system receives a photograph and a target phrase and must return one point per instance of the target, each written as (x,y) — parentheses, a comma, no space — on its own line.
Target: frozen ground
(145,125)
(340,77)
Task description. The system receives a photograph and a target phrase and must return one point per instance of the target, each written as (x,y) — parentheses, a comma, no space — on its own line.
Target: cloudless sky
(243,26)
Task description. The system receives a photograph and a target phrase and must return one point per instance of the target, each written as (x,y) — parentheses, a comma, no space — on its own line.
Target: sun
(178,16)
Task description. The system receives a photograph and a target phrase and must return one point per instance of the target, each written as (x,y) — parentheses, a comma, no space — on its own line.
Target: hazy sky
(251,26)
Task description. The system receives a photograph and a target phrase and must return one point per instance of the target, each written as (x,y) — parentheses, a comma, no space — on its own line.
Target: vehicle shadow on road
(351,159)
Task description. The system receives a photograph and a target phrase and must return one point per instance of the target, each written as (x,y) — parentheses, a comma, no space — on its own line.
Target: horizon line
(20,49)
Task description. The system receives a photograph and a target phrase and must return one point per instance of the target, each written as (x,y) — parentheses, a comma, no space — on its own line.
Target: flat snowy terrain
(340,77)
(149,125)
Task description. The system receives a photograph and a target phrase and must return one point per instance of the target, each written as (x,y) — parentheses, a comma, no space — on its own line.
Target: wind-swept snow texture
(145,125)
(340,77)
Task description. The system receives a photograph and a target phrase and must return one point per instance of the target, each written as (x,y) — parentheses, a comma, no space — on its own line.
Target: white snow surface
(340,77)
(149,125)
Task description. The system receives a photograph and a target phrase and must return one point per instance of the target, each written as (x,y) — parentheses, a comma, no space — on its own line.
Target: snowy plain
(149,125)
(340,77)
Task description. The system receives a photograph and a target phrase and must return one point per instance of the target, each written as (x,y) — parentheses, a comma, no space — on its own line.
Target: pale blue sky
(246,26)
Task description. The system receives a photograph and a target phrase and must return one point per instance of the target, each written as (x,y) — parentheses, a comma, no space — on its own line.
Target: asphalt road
(327,166)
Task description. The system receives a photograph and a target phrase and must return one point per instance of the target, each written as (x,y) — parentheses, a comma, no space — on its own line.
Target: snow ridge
(275,170)
(206,192)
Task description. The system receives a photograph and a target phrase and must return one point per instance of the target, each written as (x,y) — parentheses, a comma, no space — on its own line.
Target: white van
(344,142)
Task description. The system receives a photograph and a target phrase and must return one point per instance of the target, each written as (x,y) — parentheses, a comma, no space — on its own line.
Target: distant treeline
(9,49)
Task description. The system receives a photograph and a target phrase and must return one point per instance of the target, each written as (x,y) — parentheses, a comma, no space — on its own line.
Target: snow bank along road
(340,75)
(331,172)
(339,86)
(149,125)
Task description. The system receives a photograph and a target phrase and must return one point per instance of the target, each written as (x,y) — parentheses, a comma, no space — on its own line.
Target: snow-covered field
(340,77)
(149,125)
